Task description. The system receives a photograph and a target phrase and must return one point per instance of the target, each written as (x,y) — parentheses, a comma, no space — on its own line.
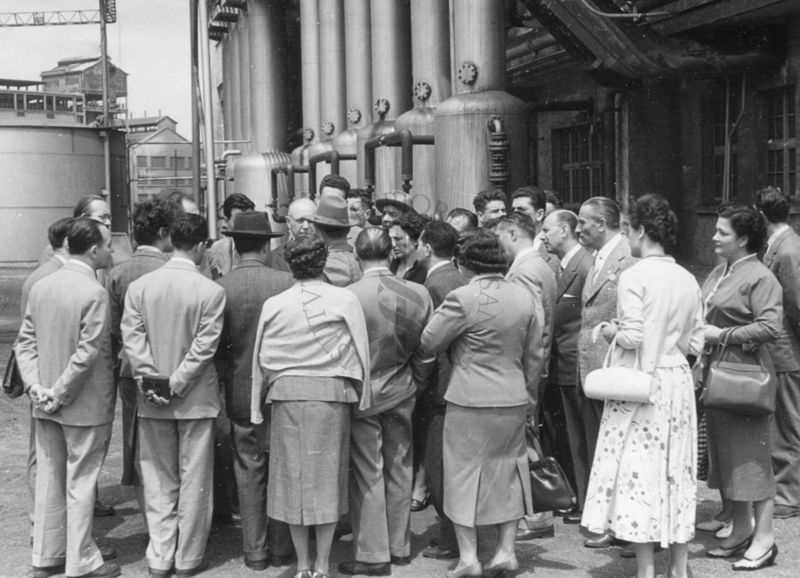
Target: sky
(150,41)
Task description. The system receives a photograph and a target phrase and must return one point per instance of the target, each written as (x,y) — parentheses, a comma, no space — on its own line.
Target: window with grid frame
(578,165)
(782,140)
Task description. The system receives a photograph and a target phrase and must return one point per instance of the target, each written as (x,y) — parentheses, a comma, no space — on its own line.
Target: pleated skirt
(308,462)
(486,474)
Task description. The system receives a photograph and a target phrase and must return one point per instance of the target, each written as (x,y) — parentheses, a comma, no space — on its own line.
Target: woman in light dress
(642,487)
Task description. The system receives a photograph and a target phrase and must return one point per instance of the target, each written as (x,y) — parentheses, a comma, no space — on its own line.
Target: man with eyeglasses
(297,223)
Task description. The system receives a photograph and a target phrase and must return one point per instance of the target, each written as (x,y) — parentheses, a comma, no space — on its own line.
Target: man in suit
(396,312)
(490,204)
(532,201)
(561,416)
(170,330)
(297,223)
(437,245)
(517,233)
(247,286)
(151,222)
(599,231)
(332,223)
(221,255)
(65,359)
(782,256)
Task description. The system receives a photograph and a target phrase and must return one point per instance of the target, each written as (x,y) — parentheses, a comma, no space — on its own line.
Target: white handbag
(619,383)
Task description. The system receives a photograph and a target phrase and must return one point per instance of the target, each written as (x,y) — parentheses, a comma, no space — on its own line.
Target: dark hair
(471,217)
(568,218)
(412,224)
(149,217)
(608,209)
(773,203)
(659,221)
(249,244)
(306,256)
(83,233)
(187,230)
(361,194)
(536,195)
(519,220)
(442,238)
(83,205)
(237,201)
(747,222)
(373,244)
(485,197)
(553,198)
(479,251)
(177,198)
(335,182)
(58,231)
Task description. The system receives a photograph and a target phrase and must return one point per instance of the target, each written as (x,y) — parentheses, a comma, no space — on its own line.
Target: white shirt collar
(570,254)
(184,260)
(607,249)
(378,268)
(435,266)
(537,243)
(60,258)
(781,228)
(149,248)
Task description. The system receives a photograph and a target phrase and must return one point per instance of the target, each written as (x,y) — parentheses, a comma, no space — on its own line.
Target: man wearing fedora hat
(247,286)
(392,206)
(332,222)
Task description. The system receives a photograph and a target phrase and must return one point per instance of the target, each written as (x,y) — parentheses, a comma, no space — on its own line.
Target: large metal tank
(243,38)
(461,133)
(430,50)
(232,79)
(44,170)
(391,86)
(252,177)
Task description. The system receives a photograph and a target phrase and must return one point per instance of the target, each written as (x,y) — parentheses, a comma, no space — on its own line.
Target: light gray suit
(65,344)
(170,328)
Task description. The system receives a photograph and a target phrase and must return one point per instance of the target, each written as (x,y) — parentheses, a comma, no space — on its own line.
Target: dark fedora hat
(253,224)
(331,212)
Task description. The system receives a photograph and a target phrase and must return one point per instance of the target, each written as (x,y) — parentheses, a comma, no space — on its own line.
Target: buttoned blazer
(600,304)
(65,344)
(567,319)
(487,327)
(171,327)
(439,283)
(783,259)
(247,286)
(52,265)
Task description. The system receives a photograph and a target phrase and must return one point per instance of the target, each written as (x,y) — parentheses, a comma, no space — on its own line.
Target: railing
(26,103)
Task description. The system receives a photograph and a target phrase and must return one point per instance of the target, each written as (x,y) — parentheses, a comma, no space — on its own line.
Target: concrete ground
(561,556)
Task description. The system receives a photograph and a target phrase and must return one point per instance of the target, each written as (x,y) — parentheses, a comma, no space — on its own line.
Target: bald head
(373,245)
(300,210)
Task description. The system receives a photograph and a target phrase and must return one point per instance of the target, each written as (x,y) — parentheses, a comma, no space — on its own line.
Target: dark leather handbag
(12,380)
(550,489)
(740,382)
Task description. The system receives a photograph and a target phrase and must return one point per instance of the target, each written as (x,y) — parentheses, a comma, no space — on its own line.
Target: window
(578,168)
(6,100)
(34,102)
(782,140)
(158,162)
(141,161)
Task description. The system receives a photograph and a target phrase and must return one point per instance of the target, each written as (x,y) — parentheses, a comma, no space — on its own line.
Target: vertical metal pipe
(195,108)
(227,84)
(268,75)
(331,68)
(480,40)
(309,56)
(359,62)
(391,54)
(208,119)
(430,49)
(244,81)
(106,121)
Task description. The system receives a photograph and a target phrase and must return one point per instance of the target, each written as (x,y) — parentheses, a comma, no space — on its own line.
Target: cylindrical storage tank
(227,87)
(391,85)
(44,171)
(461,122)
(252,177)
(235,85)
(244,82)
(309,56)
(268,75)
(331,69)
(430,23)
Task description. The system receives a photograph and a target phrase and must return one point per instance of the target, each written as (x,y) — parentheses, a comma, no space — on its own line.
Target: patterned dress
(642,486)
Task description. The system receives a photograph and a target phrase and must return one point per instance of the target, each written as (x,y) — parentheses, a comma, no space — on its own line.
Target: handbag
(743,385)
(12,380)
(550,489)
(619,383)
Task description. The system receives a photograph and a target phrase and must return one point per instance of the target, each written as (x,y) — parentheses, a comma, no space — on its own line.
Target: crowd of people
(377,361)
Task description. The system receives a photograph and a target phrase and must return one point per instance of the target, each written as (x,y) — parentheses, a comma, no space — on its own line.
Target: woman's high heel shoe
(729,552)
(767,559)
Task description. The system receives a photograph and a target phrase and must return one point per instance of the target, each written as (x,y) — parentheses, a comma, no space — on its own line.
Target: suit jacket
(416,273)
(488,327)
(144,260)
(600,304)
(277,260)
(247,286)
(64,343)
(439,283)
(222,257)
(170,328)
(552,260)
(396,312)
(341,267)
(783,259)
(567,319)
(52,265)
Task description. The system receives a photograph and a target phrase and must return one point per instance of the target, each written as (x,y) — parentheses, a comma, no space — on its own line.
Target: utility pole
(208,118)
(195,108)
(104,134)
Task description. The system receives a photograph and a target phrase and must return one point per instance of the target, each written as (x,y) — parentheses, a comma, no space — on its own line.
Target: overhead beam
(51,18)
(696,13)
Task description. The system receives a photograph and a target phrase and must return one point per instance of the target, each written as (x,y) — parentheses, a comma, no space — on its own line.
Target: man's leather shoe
(107,570)
(437,553)
(202,567)
(603,541)
(536,533)
(356,567)
(781,512)
(257,565)
(278,560)
(108,553)
(102,510)
(572,518)
(45,571)
(400,560)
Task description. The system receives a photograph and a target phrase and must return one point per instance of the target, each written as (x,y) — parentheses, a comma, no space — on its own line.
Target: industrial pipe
(333,157)
(245,117)
(498,150)
(309,56)
(331,68)
(289,170)
(358,58)
(208,119)
(403,139)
